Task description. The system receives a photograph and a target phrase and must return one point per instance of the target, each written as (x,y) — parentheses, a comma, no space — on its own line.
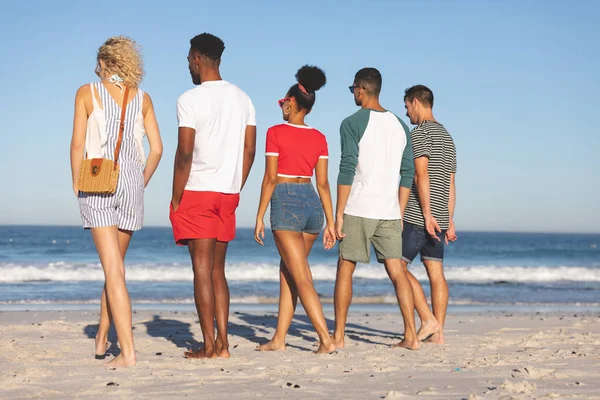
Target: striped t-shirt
(430,139)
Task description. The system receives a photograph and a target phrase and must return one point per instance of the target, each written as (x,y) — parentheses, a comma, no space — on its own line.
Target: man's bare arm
(422,176)
(183,163)
(249,152)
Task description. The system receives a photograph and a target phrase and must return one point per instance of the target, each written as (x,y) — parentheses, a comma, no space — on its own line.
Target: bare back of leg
(342,297)
(429,325)
(439,296)
(288,298)
(124,238)
(202,252)
(399,277)
(118,302)
(292,249)
(222,300)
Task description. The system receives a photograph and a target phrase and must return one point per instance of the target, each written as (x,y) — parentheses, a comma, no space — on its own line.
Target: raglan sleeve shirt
(185,112)
(349,159)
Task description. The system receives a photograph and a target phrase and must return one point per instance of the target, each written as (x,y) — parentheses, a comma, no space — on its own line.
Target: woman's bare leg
(107,245)
(105,316)
(288,298)
(292,249)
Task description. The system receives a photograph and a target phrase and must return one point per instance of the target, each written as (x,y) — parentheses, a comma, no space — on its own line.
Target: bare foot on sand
(101,347)
(222,349)
(437,338)
(337,341)
(223,353)
(271,345)
(412,345)
(427,329)
(327,348)
(202,353)
(121,361)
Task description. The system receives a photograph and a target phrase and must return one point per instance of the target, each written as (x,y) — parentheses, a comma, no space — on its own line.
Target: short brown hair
(421,93)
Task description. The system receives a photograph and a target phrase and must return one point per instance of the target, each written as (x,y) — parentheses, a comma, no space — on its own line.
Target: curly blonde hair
(121,55)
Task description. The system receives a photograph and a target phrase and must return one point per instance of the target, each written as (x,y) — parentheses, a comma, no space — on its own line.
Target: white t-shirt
(219,112)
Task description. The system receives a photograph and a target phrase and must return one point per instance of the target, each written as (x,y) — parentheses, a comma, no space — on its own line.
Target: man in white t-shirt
(217,142)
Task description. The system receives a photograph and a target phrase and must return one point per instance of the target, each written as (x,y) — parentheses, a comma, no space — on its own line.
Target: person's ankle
(209,347)
(128,354)
(101,337)
(279,339)
(221,344)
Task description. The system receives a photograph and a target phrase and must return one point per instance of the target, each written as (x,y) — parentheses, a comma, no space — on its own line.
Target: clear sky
(515,82)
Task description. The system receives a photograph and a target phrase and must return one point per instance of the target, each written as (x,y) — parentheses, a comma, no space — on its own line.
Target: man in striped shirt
(428,218)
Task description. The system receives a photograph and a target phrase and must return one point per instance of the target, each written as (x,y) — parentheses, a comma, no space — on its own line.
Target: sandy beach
(488,355)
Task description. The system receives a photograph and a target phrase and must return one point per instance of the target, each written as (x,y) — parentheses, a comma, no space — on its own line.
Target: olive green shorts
(384,235)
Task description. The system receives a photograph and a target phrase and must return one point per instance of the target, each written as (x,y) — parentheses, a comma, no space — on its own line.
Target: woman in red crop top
(294,150)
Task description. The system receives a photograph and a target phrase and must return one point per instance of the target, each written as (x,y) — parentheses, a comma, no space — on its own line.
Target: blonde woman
(112,218)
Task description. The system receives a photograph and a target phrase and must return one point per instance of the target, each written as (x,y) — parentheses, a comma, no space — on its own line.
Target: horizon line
(250,227)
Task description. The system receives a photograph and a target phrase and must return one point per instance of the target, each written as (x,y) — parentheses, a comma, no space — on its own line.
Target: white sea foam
(257,272)
(368,300)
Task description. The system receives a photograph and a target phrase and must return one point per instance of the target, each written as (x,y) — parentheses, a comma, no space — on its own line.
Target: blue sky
(516,84)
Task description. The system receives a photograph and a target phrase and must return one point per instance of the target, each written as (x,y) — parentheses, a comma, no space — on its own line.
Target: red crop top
(298,147)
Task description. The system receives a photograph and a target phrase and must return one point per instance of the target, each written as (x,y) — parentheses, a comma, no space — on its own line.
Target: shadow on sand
(257,328)
(91,330)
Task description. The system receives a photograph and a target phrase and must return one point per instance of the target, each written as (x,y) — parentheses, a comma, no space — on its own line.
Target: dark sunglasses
(354,87)
(280,102)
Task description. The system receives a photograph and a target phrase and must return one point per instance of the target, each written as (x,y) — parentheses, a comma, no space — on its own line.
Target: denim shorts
(296,207)
(416,240)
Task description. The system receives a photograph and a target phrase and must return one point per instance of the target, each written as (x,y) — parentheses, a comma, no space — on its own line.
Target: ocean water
(59,266)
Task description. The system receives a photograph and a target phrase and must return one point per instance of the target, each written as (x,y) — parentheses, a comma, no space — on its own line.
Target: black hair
(312,79)
(208,45)
(370,80)
(421,93)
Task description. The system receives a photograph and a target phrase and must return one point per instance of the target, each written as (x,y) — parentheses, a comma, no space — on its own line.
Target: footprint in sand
(394,394)
(327,380)
(523,387)
(389,369)
(427,392)
(530,372)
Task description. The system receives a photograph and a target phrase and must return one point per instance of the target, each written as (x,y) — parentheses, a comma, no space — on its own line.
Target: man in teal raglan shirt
(376,174)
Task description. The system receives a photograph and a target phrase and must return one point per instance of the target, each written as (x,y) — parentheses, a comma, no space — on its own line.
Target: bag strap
(121,126)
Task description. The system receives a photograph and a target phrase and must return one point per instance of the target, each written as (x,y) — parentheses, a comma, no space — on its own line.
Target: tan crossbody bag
(101,175)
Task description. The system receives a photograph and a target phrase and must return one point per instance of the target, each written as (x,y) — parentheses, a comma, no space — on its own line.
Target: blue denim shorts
(296,207)
(416,240)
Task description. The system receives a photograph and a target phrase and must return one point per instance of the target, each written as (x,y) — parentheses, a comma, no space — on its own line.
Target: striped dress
(124,208)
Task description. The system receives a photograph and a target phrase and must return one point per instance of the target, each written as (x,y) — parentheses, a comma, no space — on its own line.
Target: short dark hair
(421,93)
(208,45)
(370,80)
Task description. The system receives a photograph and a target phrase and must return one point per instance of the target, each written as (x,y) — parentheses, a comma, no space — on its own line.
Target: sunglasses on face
(354,87)
(282,101)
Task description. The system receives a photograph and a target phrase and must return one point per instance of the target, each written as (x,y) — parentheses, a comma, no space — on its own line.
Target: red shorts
(204,215)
